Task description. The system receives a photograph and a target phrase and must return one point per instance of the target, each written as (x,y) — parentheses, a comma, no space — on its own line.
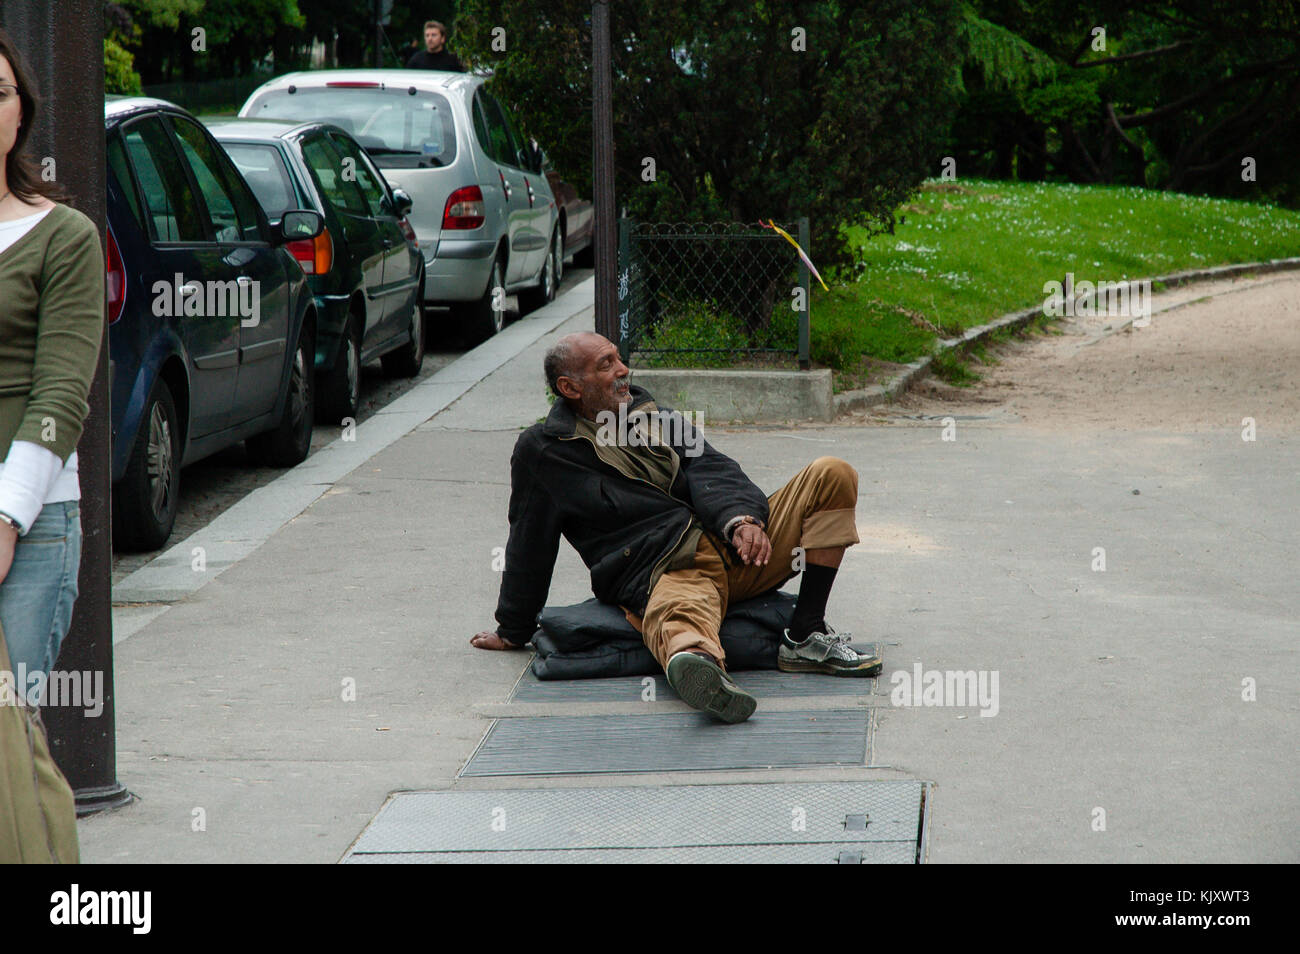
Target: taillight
(115,279)
(464,209)
(315,255)
(405,226)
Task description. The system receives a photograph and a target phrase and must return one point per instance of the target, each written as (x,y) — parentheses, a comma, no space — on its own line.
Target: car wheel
(145,499)
(289,441)
(339,394)
(482,320)
(559,265)
(407,360)
(541,296)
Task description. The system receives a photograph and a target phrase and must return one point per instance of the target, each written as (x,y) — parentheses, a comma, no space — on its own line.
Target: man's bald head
(584,369)
(568,357)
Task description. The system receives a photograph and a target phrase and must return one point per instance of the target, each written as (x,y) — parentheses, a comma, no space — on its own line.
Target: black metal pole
(602,171)
(63,45)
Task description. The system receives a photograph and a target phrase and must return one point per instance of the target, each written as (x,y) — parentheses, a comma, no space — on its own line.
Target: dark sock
(810,610)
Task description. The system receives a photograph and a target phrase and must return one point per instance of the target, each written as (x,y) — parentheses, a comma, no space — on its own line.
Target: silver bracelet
(5,518)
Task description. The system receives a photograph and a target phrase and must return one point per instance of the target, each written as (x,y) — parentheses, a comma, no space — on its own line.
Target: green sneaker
(701,684)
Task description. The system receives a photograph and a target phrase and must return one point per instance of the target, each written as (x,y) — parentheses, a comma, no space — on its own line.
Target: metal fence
(704,294)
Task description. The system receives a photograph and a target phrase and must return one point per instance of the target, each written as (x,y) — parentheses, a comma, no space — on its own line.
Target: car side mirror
(538,158)
(298,224)
(402,202)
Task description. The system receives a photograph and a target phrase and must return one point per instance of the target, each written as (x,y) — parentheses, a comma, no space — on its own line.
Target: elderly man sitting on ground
(671,529)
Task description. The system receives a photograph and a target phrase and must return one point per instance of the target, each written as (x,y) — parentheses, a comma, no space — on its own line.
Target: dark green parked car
(365,269)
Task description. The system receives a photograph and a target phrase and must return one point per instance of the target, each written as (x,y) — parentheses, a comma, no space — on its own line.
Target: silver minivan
(483,211)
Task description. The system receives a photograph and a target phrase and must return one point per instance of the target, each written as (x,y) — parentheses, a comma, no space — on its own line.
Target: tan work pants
(815,509)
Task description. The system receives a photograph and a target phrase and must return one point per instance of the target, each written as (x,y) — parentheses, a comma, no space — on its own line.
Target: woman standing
(51,328)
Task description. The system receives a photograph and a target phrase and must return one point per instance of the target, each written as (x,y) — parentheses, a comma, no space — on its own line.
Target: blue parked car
(211,321)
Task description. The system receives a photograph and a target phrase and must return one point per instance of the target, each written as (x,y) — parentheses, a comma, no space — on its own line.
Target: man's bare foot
(490,640)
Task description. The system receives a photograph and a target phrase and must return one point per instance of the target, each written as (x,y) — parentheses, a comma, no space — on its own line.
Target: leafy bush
(119,74)
(697,324)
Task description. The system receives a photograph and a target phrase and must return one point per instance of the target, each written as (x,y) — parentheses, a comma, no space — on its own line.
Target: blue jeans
(36,597)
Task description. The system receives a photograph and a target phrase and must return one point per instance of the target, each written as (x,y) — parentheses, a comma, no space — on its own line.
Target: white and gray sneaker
(827,652)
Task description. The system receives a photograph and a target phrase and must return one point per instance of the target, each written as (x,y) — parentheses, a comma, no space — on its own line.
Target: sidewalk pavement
(1118,690)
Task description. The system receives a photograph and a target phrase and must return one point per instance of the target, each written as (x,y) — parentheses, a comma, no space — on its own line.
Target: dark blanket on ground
(594,640)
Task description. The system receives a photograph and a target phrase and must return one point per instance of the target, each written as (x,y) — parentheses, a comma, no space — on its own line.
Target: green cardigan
(51,328)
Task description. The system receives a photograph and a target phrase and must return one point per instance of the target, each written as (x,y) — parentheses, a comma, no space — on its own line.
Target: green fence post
(805,282)
(624,280)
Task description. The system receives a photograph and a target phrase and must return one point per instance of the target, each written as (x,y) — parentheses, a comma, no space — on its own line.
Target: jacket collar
(562,422)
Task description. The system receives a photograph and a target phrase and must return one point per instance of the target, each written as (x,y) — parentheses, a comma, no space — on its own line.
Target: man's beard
(609,400)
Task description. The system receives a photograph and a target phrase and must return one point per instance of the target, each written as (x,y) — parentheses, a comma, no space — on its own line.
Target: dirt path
(1213,354)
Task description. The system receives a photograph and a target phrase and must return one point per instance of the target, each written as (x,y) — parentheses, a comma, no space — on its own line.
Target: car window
(503,150)
(326,168)
(233,218)
(264,170)
(120,170)
(363,174)
(518,147)
(399,128)
(480,125)
(173,213)
(246,203)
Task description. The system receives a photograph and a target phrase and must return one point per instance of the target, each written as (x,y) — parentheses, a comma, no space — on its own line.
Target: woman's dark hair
(24,179)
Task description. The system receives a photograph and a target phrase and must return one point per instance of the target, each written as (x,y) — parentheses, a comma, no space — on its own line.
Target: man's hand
(490,640)
(752,544)
(8,540)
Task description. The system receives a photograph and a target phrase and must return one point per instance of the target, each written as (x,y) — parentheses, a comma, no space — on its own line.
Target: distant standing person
(435,55)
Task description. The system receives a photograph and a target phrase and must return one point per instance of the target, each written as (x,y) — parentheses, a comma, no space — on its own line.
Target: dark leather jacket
(620,526)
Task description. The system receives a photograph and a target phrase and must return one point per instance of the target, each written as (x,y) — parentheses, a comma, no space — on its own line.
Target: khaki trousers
(815,509)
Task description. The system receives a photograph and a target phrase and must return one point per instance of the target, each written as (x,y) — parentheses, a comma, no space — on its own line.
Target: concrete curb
(878,394)
(245,526)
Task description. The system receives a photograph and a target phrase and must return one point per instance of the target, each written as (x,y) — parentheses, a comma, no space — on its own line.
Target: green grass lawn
(967,252)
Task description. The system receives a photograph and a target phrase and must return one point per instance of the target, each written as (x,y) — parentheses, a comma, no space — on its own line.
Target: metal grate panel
(669,742)
(886,853)
(750,822)
(760,682)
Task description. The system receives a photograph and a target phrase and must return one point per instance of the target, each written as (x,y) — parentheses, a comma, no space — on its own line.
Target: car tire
(533,298)
(289,442)
(145,499)
(407,360)
(482,321)
(339,393)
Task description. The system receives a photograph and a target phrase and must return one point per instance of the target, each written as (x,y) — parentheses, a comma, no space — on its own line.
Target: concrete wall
(749,396)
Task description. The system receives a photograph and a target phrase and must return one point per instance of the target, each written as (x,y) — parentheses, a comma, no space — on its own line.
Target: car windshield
(263,169)
(398,129)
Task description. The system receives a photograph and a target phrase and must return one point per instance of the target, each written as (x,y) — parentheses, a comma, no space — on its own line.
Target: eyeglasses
(8,93)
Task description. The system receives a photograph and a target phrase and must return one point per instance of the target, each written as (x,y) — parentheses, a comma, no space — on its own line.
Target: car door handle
(244,280)
(504,185)
(190,288)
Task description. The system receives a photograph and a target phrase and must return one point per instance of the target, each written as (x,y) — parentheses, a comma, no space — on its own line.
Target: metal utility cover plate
(743,823)
(764,683)
(669,742)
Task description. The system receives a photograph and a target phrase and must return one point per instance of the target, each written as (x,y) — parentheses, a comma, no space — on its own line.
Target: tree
(748,109)
(1176,96)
